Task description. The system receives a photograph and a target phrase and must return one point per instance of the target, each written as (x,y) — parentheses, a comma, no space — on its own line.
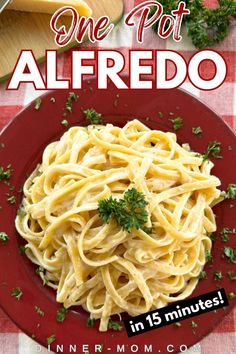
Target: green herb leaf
(232,296)
(90,322)
(22,249)
(129,212)
(213,150)
(193,324)
(61,314)
(4,237)
(39,311)
(40,272)
(161,115)
(4,175)
(65,122)
(230,253)
(213,237)
(225,232)
(177,123)
(72,97)
(197,131)
(11,199)
(208,256)
(51,339)
(17,293)
(114,325)
(202,275)
(93,116)
(230,192)
(37,103)
(218,275)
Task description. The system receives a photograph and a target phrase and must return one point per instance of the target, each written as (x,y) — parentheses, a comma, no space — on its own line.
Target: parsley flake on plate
(51,339)
(4,175)
(37,103)
(93,116)
(230,253)
(114,325)
(4,237)
(177,123)
(61,314)
(17,293)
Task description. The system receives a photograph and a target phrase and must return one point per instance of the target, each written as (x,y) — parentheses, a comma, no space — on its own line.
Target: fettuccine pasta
(98,265)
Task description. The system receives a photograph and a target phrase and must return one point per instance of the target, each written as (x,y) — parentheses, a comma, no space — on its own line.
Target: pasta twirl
(102,267)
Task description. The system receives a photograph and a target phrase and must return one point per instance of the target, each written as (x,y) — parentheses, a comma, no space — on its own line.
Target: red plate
(25,139)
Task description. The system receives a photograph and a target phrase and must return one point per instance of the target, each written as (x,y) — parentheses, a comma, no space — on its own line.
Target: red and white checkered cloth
(223,100)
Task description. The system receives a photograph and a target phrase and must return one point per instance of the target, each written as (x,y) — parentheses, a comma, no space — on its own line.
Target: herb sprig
(93,116)
(128,212)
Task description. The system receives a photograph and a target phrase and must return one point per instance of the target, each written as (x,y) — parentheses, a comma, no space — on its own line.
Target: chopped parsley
(4,175)
(213,237)
(177,123)
(232,296)
(65,122)
(51,339)
(231,275)
(17,293)
(213,150)
(202,275)
(114,325)
(61,314)
(37,103)
(90,322)
(218,275)
(205,26)
(230,192)
(11,199)
(161,115)
(72,97)
(22,250)
(230,253)
(93,116)
(225,232)
(40,272)
(39,311)
(128,212)
(197,131)
(208,256)
(193,324)
(4,237)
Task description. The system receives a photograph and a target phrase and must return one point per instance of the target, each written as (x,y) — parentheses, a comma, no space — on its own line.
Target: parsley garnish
(4,237)
(17,293)
(39,311)
(177,123)
(213,237)
(72,97)
(51,339)
(232,296)
(93,116)
(161,115)
(217,275)
(193,324)
(205,26)
(61,314)
(90,322)
(213,150)
(225,232)
(65,122)
(11,199)
(22,249)
(202,275)
(208,256)
(4,174)
(231,275)
(114,325)
(230,253)
(37,103)
(197,131)
(230,192)
(40,270)
(129,212)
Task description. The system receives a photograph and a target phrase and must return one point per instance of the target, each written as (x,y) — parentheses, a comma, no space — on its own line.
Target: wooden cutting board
(22,30)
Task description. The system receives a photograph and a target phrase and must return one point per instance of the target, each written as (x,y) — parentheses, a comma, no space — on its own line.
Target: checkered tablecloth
(223,100)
